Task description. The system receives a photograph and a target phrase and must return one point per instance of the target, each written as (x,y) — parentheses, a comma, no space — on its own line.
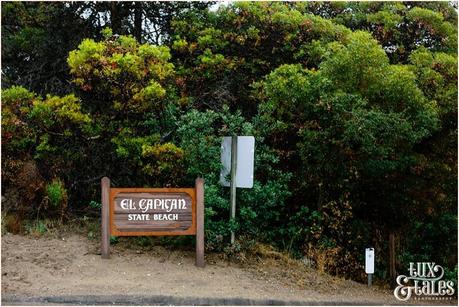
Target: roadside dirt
(70,265)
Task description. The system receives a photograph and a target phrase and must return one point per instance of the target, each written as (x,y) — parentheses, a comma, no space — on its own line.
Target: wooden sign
(153,212)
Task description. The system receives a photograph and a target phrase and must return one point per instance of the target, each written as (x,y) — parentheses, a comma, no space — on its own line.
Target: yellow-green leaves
(434,23)
(436,75)
(211,59)
(145,99)
(131,75)
(356,106)
(161,53)
(180,45)
(79,60)
(357,66)
(33,125)
(107,32)
(163,160)
(20,103)
(16,95)
(16,105)
(211,37)
(127,42)
(152,91)
(426,16)
(65,109)
(386,18)
(288,19)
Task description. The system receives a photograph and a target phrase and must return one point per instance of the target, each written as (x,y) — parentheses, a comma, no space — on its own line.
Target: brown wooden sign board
(153,212)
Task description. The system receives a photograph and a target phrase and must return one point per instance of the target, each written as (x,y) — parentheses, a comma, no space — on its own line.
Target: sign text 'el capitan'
(153,211)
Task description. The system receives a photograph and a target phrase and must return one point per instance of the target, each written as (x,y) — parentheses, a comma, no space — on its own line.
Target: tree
(355,132)
(127,88)
(37,37)
(41,140)
(219,55)
(400,27)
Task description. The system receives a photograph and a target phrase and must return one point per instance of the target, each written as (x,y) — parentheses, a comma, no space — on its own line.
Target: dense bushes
(353,107)
(41,141)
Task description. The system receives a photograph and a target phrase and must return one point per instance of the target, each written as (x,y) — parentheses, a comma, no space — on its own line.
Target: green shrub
(40,227)
(95,205)
(143,241)
(56,193)
(260,210)
(451,274)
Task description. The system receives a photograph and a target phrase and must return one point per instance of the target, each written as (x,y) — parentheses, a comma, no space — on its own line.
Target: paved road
(161,300)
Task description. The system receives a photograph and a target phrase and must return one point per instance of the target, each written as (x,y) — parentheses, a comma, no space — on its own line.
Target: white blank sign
(245,157)
(369,260)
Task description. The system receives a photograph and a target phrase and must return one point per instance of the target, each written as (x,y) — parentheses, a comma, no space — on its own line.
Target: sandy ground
(71,266)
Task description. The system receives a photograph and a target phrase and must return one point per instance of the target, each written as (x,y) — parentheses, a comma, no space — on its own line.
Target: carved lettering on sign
(153,212)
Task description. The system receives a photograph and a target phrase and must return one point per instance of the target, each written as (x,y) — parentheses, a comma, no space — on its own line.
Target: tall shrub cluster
(353,107)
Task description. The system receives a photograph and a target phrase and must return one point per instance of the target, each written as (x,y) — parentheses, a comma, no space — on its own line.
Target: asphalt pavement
(161,300)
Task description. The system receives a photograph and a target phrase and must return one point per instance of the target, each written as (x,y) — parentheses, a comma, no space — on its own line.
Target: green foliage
(56,193)
(163,160)
(38,228)
(139,68)
(218,57)
(436,74)
(452,275)
(143,241)
(427,230)
(387,19)
(37,37)
(355,120)
(35,43)
(140,112)
(358,66)
(399,27)
(200,134)
(95,205)
(434,23)
(91,226)
(197,135)
(45,129)
(17,102)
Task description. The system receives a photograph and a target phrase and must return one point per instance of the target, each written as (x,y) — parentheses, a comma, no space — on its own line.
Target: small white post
(370,263)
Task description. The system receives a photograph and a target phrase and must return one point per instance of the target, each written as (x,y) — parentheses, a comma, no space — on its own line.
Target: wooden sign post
(153,212)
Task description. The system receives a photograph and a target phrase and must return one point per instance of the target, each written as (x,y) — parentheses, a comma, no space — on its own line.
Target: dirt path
(70,267)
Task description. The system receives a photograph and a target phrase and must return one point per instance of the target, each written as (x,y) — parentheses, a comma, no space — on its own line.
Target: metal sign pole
(233,181)
(369,279)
